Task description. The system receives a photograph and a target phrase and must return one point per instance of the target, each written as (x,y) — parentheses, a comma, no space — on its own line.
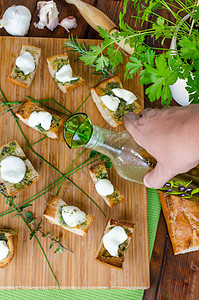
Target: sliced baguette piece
(182,218)
(17,76)
(99,171)
(55,62)
(53,214)
(104,256)
(10,237)
(114,119)
(31,176)
(28,107)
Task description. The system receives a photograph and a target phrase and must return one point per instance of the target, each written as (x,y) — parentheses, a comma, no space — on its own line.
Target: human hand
(171,136)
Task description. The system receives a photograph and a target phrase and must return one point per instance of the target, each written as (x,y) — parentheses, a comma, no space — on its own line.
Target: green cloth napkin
(153,217)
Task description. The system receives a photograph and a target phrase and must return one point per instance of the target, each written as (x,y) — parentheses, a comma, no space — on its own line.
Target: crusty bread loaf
(114,119)
(54,66)
(104,256)
(10,237)
(53,214)
(182,218)
(28,107)
(99,171)
(17,77)
(31,176)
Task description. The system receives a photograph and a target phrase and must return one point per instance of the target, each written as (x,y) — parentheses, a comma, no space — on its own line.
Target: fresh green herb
(159,70)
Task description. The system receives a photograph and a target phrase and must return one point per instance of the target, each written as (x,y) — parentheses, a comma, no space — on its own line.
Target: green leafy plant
(158,67)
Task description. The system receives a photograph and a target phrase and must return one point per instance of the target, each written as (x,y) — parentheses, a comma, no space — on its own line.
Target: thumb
(157,177)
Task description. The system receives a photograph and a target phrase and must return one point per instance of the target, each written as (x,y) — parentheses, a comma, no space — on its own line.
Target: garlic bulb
(16,20)
(69,23)
(48,15)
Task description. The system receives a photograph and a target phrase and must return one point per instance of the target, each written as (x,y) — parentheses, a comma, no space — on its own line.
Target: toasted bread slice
(53,212)
(31,176)
(104,256)
(28,107)
(116,118)
(182,218)
(10,237)
(55,63)
(99,171)
(17,76)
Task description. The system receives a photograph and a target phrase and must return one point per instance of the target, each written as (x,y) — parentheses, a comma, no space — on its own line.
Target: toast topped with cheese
(16,171)
(60,69)
(115,241)
(113,102)
(103,186)
(68,217)
(39,119)
(8,245)
(25,66)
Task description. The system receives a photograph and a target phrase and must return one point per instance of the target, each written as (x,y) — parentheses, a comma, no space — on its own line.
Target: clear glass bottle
(130,160)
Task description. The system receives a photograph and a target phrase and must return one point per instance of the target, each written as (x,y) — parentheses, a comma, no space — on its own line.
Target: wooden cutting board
(78,270)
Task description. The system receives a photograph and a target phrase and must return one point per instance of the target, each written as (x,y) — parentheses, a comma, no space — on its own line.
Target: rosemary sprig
(89,56)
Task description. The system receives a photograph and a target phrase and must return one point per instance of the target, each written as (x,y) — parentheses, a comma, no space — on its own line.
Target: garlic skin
(48,15)
(16,20)
(68,23)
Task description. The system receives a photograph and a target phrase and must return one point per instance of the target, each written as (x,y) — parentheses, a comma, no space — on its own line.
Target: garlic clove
(48,15)
(69,23)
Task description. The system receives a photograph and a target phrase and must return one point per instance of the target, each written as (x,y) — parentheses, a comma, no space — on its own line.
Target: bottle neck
(102,141)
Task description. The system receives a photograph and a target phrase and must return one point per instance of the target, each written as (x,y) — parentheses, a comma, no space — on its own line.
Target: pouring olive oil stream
(130,160)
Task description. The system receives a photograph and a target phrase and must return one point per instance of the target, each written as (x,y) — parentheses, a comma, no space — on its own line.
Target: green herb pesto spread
(55,121)
(109,87)
(3,237)
(58,63)
(115,196)
(8,150)
(123,109)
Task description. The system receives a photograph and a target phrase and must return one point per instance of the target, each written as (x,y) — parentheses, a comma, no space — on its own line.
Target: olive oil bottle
(130,160)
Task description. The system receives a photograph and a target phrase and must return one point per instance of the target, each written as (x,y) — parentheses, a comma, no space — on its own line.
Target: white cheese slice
(104,187)
(111,102)
(128,96)
(13,169)
(113,239)
(4,250)
(73,216)
(25,62)
(42,117)
(65,74)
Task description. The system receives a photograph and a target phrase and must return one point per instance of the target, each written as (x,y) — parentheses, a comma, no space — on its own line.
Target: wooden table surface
(172,277)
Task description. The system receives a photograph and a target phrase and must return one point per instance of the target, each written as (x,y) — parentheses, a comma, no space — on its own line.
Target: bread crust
(26,110)
(182,218)
(65,88)
(11,240)
(11,189)
(114,261)
(116,197)
(108,115)
(52,214)
(18,81)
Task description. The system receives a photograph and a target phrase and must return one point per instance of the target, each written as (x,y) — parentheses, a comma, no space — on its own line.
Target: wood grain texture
(78,270)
